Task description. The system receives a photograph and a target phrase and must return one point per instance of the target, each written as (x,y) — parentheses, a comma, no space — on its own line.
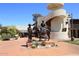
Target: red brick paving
(15,48)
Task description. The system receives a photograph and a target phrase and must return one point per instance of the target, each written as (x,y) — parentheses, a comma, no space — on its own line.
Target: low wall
(59,35)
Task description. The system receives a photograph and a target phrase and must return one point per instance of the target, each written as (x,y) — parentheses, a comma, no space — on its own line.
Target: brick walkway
(17,48)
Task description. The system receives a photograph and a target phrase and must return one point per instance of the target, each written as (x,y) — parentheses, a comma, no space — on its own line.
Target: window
(66,22)
(64,29)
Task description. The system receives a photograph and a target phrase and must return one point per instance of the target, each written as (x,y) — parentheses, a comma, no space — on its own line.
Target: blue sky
(21,14)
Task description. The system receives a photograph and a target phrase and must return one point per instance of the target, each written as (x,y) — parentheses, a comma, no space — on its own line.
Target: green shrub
(0,37)
(8,32)
(73,42)
(5,36)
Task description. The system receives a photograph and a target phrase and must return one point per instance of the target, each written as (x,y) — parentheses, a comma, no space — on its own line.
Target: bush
(8,32)
(0,37)
(12,31)
(5,36)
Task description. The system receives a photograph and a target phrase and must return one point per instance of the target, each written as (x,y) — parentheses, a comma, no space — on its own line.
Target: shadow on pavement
(23,45)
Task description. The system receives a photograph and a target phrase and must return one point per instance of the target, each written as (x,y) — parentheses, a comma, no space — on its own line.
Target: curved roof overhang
(61,16)
(58,13)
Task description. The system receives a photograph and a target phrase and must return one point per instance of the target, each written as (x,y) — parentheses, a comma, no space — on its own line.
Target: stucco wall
(59,35)
(56,24)
(59,12)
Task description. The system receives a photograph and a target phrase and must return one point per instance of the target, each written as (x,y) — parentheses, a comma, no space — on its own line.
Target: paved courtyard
(17,48)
